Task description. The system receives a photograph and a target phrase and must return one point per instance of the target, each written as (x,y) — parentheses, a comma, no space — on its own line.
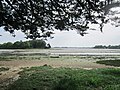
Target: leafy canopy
(39,18)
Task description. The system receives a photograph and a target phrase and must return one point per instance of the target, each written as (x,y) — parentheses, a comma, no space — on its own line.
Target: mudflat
(15,60)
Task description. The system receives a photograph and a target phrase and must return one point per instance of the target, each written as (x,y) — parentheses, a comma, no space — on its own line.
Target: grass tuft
(110,62)
(3,69)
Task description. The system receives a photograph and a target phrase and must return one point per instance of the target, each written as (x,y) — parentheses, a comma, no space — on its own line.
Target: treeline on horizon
(31,44)
(107,47)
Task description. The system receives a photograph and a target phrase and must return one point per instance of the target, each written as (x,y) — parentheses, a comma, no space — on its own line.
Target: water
(79,51)
(64,51)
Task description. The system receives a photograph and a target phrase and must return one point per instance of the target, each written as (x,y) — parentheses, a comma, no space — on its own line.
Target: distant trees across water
(107,47)
(31,44)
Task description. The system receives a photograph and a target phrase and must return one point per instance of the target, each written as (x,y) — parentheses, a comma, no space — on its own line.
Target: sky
(109,36)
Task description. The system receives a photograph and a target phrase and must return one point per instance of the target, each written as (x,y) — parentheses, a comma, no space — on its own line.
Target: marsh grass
(48,78)
(9,58)
(56,57)
(37,57)
(110,62)
(3,69)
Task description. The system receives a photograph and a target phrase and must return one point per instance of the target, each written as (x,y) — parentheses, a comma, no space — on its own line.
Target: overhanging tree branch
(37,18)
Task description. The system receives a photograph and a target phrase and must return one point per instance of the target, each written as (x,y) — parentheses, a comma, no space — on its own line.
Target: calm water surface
(64,51)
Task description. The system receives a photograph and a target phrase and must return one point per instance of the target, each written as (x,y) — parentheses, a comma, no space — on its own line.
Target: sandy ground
(15,66)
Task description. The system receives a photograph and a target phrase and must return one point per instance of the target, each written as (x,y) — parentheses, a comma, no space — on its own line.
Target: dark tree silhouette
(39,18)
(32,44)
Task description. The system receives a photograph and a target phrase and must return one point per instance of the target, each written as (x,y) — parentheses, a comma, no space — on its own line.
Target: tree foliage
(39,18)
(32,44)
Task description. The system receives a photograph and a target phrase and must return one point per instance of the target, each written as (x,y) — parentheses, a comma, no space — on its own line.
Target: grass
(48,78)
(9,58)
(3,69)
(39,57)
(55,57)
(110,62)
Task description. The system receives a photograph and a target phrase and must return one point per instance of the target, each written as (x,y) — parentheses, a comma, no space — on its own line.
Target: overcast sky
(109,36)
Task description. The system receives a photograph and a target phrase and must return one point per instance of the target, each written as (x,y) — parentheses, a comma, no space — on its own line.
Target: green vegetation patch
(48,78)
(110,62)
(4,69)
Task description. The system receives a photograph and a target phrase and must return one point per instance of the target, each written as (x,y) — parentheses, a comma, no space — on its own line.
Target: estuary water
(86,51)
(64,51)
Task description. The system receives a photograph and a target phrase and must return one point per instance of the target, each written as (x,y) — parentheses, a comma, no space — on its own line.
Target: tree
(18,45)
(26,45)
(7,45)
(37,44)
(48,46)
(39,18)
(41,44)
